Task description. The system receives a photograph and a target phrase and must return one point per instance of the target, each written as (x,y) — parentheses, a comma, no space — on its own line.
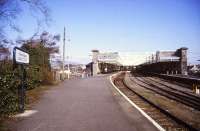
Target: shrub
(38,72)
(8,94)
(48,77)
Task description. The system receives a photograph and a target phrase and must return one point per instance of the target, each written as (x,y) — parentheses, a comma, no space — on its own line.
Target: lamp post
(63,63)
(68,69)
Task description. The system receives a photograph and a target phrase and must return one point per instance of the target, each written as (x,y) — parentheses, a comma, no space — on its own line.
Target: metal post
(22,90)
(68,68)
(63,68)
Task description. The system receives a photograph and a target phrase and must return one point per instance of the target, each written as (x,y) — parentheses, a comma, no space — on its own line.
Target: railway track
(161,116)
(182,89)
(169,92)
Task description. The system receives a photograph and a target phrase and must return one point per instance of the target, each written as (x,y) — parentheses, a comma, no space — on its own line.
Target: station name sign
(20,56)
(111,56)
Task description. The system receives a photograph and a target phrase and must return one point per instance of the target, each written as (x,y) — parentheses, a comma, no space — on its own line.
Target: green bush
(8,94)
(9,83)
(33,77)
(38,72)
(48,77)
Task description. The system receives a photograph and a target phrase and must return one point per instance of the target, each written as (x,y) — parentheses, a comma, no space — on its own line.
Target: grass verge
(32,96)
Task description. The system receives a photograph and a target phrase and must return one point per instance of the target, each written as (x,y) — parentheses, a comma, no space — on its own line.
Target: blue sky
(123,25)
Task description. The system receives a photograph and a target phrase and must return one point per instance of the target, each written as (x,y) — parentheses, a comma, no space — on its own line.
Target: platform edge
(138,108)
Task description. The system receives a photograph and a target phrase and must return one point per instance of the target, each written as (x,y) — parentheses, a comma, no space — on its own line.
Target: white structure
(121,58)
(95,66)
(134,58)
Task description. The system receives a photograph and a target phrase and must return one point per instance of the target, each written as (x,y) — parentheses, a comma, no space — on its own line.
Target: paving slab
(88,104)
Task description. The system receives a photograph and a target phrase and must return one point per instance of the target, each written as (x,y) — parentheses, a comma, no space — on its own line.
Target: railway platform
(89,104)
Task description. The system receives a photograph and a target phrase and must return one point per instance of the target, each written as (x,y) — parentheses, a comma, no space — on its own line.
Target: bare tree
(11,9)
(48,39)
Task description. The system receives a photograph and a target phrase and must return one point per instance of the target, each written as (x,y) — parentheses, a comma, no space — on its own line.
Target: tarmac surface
(88,104)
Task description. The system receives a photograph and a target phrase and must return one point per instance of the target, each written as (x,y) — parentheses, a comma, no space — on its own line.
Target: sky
(122,26)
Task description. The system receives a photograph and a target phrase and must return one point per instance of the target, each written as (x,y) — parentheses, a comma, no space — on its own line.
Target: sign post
(20,57)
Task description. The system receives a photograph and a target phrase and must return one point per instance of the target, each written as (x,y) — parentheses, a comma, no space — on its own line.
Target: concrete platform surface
(87,104)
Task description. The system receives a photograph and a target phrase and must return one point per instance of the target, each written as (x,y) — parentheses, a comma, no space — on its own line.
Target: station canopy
(134,58)
(124,58)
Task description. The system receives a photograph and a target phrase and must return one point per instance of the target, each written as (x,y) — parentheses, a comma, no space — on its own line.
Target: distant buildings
(55,61)
(193,69)
(4,53)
